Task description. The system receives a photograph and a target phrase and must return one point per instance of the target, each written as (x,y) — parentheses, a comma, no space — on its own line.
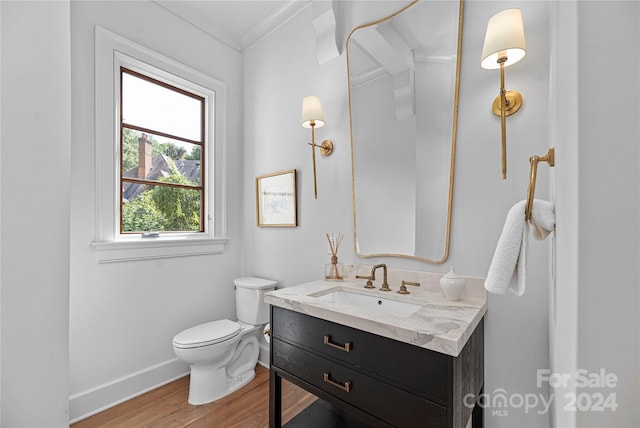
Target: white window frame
(112,52)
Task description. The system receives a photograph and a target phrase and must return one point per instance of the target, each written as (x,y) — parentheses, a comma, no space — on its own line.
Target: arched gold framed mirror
(404,78)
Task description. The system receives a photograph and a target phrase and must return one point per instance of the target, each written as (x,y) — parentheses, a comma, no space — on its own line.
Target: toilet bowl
(222,354)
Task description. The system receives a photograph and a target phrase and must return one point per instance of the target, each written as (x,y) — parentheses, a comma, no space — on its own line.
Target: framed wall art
(276,199)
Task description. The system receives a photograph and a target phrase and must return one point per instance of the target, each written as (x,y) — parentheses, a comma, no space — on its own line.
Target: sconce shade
(505,35)
(312,111)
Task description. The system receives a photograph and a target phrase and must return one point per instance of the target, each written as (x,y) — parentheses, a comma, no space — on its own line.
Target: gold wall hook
(550,158)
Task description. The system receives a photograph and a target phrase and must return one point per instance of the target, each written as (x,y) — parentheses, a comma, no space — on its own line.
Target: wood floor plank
(167,407)
(111,417)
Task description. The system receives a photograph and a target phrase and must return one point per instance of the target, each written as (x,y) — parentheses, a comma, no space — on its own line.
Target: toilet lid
(207,334)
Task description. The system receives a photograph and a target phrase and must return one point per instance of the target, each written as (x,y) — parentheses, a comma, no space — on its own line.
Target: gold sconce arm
(313,155)
(550,158)
(505,104)
(326,148)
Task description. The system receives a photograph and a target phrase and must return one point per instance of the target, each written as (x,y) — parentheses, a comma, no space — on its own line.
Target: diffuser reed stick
(334,246)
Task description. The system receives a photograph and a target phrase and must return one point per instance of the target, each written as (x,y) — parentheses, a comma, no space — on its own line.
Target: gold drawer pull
(343,386)
(346,347)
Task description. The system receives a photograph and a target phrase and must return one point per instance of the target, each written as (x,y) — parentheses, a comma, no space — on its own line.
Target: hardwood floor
(167,407)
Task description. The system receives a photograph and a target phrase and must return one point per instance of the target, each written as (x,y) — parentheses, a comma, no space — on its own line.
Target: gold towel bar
(550,158)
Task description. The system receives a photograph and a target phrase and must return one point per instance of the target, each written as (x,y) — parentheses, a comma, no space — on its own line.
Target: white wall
(0,223)
(282,68)
(609,212)
(36,131)
(596,324)
(563,124)
(124,315)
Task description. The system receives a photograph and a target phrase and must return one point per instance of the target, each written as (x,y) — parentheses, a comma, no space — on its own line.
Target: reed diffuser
(333,271)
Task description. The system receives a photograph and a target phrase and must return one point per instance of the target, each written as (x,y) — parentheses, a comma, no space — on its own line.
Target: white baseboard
(95,400)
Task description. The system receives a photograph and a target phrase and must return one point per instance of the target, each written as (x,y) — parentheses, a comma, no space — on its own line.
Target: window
(159,155)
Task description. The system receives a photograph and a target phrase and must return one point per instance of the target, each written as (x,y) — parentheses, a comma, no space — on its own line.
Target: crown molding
(271,22)
(239,42)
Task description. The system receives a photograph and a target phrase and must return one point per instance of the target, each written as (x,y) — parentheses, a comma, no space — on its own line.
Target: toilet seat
(207,334)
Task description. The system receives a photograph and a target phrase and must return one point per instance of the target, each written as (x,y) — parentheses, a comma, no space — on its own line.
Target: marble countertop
(440,325)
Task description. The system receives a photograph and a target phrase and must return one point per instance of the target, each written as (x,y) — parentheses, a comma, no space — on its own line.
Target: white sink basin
(372,303)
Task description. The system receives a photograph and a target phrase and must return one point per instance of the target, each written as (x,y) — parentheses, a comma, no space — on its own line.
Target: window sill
(156,248)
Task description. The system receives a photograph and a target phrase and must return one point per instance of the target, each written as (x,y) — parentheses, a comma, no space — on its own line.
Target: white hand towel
(508,251)
(543,218)
(508,267)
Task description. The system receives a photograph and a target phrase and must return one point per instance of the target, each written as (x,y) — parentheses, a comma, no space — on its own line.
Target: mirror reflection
(403,90)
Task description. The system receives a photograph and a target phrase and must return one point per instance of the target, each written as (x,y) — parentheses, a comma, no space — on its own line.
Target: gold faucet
(385,286)
(372,277)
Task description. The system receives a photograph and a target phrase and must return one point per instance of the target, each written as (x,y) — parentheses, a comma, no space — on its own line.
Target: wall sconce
(504,45)
(313,117)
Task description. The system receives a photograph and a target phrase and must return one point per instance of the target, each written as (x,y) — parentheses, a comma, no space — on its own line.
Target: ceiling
(238,23)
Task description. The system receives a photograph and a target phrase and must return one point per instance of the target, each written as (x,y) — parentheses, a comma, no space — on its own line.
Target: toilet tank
(250,305)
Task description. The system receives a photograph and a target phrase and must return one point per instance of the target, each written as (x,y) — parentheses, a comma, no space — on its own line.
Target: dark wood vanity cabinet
(381,381)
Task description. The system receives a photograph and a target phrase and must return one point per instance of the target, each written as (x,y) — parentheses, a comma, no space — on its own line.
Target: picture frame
(276,204)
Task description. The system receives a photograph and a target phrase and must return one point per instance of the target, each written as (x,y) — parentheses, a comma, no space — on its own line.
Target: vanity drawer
(422,371)
(388,403)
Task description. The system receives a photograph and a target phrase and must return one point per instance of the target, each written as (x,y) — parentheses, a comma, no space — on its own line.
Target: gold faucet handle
(416,284)
(403,287)
(369,280)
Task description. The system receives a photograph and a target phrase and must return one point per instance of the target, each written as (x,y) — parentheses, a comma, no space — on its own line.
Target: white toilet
(223,353)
